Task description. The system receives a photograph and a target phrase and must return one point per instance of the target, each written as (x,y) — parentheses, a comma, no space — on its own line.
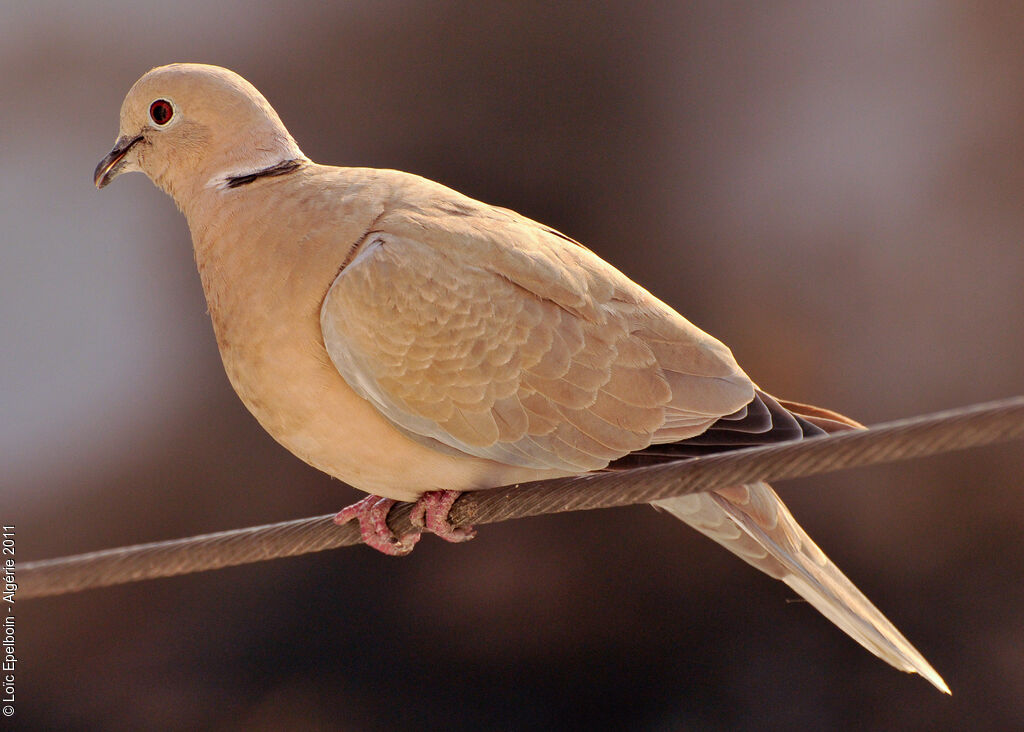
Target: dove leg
(372,514)
(431,512)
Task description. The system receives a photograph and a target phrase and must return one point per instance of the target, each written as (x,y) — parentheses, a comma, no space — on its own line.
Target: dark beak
(111,165)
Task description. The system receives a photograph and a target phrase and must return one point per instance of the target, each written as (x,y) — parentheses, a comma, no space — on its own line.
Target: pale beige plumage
(406,338)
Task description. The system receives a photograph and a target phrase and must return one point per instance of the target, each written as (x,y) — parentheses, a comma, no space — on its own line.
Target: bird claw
(431,513)
(372,514)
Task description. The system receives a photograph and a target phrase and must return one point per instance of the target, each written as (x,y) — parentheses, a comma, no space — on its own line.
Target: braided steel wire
(967,427)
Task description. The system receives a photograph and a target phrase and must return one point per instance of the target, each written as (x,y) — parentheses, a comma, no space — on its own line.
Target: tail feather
(826,419)
(752,522)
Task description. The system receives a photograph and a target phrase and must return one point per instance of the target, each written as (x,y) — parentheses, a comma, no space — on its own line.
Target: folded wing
(478,331)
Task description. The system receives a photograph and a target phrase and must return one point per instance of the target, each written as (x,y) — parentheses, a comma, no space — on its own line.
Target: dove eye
(161,112)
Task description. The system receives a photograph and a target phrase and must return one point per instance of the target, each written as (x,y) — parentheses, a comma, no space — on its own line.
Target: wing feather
(498,338)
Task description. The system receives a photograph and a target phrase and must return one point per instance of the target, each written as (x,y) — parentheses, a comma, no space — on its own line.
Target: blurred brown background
(833,189)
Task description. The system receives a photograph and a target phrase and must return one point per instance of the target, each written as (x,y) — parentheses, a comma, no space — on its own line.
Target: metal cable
(971,426)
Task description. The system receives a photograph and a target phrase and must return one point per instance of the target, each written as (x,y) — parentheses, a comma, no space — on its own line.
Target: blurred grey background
(836,190)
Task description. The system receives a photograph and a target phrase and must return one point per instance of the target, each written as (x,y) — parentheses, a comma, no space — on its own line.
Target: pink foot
(372,513)
(431,512)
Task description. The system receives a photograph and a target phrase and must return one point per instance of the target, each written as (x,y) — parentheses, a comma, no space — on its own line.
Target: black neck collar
(281,168)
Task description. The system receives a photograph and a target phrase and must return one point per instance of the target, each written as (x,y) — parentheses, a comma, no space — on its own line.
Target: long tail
(752,522)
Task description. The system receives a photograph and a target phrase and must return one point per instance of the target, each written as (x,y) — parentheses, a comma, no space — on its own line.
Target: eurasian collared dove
(415,343)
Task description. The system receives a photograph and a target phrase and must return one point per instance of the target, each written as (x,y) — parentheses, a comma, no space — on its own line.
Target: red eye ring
(161,112)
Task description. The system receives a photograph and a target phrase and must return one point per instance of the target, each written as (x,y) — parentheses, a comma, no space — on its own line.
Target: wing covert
(455,345)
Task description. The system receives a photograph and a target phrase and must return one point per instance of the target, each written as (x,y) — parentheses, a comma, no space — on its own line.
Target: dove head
(191,127)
